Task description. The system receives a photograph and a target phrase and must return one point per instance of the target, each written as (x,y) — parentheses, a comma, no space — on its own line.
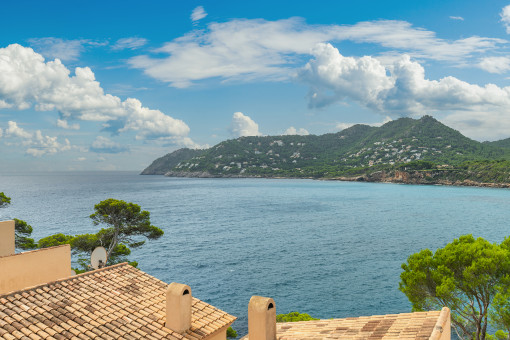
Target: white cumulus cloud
(242,49)
(495,64)
(64,124)
(198,14)
(362,79)
(14,130)
(402,89)
(243,126)
(293,131)
(28,81)
(505,18)
(456,18)
(36,143)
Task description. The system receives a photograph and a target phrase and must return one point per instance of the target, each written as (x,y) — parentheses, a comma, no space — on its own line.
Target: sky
(113,85)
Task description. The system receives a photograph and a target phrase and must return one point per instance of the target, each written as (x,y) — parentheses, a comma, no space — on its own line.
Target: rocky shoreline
(417,178)
(401,177)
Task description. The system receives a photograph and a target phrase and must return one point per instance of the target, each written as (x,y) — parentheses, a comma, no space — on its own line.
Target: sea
(327,248)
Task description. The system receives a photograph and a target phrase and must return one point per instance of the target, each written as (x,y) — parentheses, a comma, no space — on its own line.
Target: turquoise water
(330,249)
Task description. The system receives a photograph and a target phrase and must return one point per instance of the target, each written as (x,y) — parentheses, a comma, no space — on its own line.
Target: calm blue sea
(330,249)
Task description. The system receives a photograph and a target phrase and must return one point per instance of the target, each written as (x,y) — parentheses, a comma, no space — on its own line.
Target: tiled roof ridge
(36,250)
(92,272)
(215,332)
(426,325)
(375,316)
(444,316)
(115,302)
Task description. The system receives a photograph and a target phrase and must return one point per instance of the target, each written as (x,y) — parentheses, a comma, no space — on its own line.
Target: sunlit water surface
(330,249)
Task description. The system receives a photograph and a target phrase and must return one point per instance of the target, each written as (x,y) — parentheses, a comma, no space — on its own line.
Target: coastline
(464,183)
(397,177)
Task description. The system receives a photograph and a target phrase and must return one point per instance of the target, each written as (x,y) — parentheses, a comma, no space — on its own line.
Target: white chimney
(178,307)
(261,318)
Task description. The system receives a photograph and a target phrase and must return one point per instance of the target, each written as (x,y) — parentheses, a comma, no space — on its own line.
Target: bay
(331,249)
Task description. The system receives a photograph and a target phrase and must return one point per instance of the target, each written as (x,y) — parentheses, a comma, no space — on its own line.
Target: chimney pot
(178,307)
(261,318)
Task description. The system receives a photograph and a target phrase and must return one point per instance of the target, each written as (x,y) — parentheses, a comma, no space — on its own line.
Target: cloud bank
(495,64)
(243,126)
(402,89)
(243,49)
(36,143)
(28,81)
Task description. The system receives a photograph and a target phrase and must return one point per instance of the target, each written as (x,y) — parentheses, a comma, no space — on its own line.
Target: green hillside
(164,164)
(358,149)
(504,143)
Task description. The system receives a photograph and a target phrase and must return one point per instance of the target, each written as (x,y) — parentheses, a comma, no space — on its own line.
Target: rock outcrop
(417,177)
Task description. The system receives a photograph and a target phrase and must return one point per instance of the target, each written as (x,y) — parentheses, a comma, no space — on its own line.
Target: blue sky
(113,85)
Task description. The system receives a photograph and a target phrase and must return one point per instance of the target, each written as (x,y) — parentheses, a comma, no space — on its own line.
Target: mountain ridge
(359,149)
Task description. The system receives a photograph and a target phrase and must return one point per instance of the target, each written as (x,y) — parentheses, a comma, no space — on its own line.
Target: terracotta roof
(116,302)
(420,325)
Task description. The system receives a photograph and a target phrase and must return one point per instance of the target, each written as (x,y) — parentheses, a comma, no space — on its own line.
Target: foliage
(231,333)
(500,313)
(294,317)
(420,144)
(467,276)
(4,200)
(54,240)
(161,165)
(22,231)
(126,223)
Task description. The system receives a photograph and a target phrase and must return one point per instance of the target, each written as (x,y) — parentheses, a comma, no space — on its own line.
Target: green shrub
(294,317)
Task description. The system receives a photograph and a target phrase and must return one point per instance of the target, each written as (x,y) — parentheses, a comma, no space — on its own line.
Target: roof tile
(117,302)
(394,326)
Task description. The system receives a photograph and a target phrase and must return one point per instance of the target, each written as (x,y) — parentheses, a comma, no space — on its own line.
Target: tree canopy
(470,276)
(4,200)
(126,224)
(22,231)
